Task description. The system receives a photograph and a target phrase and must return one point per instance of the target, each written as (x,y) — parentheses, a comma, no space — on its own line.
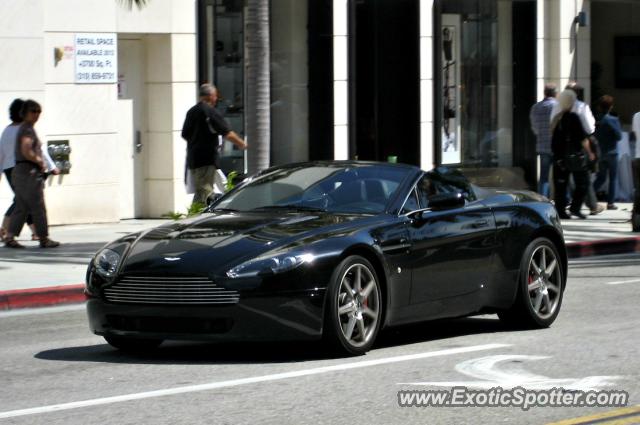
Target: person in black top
(202,126)
(568,143)
(608,133)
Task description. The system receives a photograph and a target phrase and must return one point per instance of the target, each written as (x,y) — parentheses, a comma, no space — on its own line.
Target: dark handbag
(576,161)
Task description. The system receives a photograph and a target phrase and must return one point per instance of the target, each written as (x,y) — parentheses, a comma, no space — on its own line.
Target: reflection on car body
(335,250)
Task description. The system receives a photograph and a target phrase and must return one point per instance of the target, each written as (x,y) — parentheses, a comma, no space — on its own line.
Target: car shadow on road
(440,330)
(177,352)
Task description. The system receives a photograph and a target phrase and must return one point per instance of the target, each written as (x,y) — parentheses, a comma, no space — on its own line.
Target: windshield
(334,188)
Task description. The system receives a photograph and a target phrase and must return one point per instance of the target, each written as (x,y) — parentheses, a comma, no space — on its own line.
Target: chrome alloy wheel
(358,304)
(544,282)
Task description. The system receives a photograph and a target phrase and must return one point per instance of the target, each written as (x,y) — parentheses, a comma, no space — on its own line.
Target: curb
(41,297)
(603,247)
(73,294)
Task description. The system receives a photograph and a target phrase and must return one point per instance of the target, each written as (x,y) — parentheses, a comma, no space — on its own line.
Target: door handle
(138,141)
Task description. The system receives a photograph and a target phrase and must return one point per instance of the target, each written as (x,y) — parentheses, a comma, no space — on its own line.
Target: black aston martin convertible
(334,250)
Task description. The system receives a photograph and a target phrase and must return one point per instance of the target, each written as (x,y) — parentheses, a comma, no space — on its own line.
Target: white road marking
(620,282)
(245,381)
(486,369)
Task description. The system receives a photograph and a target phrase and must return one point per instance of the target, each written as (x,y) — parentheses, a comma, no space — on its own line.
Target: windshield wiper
(224,210)
(295,207)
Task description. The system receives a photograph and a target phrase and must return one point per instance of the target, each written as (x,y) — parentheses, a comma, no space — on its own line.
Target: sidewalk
(37,277)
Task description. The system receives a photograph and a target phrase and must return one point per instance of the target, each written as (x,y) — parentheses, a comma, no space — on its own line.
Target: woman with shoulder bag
(571,154)
(28,180)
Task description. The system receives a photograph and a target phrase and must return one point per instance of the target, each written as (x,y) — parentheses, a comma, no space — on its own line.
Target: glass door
(229,76)
(221,52)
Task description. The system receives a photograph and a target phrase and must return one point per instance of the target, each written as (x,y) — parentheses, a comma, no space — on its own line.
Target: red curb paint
(603,247)
(41,297)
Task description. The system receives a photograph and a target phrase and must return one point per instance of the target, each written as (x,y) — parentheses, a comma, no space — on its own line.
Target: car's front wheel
(540,287)
(132,344)
(354,306)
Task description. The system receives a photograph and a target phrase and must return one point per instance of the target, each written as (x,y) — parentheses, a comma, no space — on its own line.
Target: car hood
(213,243)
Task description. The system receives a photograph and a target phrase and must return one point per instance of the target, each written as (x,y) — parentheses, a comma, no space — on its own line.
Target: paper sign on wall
(96,58)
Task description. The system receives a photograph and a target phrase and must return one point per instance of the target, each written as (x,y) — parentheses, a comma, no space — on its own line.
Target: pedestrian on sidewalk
(568,143)
(608,133)
(540,119)
(8,161)
(28,180)
(202,127)
(589,125)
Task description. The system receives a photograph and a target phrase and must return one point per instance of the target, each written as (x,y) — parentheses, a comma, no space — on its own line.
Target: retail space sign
(96,58)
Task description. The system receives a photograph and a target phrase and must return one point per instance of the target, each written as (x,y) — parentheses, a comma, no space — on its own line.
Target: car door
(451,248)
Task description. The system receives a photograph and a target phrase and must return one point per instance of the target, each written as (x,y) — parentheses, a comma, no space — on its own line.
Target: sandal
(12,243)
(48,243)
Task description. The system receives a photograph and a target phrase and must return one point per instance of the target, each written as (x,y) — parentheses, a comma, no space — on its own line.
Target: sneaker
(12,243)
(48,243)
(578,214)
(612,207)
(598,210)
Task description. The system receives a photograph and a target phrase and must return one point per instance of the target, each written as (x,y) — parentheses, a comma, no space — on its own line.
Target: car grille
(169,290)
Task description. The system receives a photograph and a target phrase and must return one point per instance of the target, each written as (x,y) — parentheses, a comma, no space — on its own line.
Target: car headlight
(276,263)
(106,262)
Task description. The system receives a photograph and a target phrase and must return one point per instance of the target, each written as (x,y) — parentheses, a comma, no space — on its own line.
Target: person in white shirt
(635,127)
(583,111)
(8,161)
(580,108)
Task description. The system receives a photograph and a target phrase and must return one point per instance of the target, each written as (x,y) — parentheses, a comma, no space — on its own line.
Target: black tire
(133,345)
(539,293)
(347,315)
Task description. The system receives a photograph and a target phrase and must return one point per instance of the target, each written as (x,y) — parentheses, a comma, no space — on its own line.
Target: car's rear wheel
(132,344)
(540,287)
(354,306)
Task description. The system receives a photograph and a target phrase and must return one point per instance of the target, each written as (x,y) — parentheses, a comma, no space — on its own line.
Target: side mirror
(446,201)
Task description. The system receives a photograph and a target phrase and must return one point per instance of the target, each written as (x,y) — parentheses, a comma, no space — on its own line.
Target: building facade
(425,82)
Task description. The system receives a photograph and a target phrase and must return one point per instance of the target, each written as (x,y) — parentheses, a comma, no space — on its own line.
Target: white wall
(557,47)
(340,80)
(427,157)
(87,114)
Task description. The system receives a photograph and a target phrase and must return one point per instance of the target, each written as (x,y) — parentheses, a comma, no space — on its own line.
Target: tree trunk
(257,105)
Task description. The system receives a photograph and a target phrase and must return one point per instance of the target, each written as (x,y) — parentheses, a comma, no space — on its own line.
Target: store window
(289,81)
(221,62)
(475,82)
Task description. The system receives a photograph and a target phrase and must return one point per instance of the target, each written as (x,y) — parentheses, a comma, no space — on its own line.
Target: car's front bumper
(295,315)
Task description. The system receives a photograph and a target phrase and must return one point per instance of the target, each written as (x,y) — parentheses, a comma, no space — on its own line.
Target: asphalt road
(51,364)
